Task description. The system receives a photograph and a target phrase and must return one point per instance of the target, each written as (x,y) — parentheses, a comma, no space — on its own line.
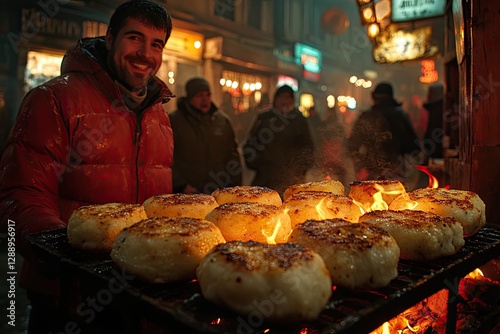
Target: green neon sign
(308,57)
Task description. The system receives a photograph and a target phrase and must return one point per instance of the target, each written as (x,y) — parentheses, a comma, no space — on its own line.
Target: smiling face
(135,53)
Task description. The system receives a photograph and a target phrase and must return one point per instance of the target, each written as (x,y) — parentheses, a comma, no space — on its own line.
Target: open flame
(271,238)
(476,274)
(378,202)
(424,315)
(433,181)
(410,204)
(320,209)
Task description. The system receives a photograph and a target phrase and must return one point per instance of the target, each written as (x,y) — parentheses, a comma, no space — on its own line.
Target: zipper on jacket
(137,138)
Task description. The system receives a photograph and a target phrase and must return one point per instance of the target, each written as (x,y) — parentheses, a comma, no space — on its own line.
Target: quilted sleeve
(31,167)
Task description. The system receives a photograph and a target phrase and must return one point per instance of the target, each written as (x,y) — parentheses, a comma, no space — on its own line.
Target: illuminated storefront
(39,34)
(245,90)
(244,75)
(41,67)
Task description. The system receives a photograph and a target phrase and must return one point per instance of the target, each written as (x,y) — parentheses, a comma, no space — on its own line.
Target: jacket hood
(89,58)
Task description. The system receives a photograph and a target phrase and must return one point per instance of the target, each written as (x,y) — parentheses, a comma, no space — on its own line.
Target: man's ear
(109,40)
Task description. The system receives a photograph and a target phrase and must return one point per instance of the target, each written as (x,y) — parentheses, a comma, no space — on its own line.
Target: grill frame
(180,305)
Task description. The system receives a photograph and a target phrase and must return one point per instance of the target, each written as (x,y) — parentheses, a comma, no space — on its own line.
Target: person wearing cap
(205,150)
(383,142)
(279,146)
(433,137)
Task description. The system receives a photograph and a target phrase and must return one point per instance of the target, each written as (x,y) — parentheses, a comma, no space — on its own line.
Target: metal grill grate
(181,304)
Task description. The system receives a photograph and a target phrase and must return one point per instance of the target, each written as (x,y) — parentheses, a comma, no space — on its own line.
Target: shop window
(225,9)
(40,68)
(94,29)
(293,24)
(246,90)
(254,14)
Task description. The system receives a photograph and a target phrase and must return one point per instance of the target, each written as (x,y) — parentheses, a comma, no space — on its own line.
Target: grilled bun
(251,221)
(289,281)
(255,194)
(179,205)
(95,227)
(363,191)
(331,186)
(162,250)
(306,205)
(420,235)
(359,256)
(465,206)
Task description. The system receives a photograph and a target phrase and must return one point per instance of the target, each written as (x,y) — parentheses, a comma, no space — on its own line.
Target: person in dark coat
(205,153)
(383,142)
(279,147)
(433,137)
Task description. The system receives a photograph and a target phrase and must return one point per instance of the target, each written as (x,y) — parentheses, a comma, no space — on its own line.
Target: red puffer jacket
(75,143)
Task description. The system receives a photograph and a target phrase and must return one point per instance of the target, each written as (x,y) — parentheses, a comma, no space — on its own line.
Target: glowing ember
(476,274)
(385,328)
(418,318)
(414,328)
(215,322)
(430,315)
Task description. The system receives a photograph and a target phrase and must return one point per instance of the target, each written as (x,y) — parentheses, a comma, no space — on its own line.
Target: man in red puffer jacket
(96,134)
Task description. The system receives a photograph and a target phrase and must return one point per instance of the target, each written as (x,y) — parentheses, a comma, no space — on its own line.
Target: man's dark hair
(285,89)
(148,12)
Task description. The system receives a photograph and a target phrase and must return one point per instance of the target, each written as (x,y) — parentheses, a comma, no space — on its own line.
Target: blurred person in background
(332,156)
(418,115)
(228,108)
(279,147)
(264,104)
(96,134)
(433,137)
(205,154)
(383,142)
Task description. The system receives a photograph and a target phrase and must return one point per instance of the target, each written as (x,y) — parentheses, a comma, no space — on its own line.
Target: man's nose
(144,50)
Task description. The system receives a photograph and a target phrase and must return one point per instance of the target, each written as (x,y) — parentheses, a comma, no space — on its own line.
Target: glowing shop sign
(407,10)
(429,72)
(393,45)
(308,57)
